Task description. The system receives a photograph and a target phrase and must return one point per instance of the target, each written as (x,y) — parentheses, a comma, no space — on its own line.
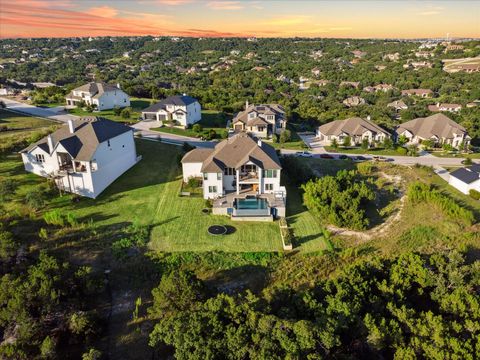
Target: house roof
(437,125)
(438,107)
(467,175)
(95,88)
(400,104)
(262,109)
(233,153)
(88,133)
(353,127)
(417,91)
(256,121)
(178,100)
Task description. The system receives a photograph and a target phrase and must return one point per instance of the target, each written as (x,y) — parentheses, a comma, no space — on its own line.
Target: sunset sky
(272,18)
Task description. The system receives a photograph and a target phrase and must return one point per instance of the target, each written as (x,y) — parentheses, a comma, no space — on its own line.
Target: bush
(334,143)
(285,136)
(55,217)
(117,110)
(35,198)
(193,183)
(467,161)
(197,128)
(401,150)
(347,141)
(474,194)
(224,134)
(126,113)
(7,188)
(388,143)
(365,144)
(8,245)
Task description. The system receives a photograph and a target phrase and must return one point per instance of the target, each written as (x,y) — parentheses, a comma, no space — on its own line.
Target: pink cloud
(103,11)
(225,5)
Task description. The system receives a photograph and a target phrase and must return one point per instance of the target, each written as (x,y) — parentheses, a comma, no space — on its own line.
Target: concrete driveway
(55,114)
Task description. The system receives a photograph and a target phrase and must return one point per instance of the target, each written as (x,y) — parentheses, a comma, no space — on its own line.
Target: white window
(270,173)
(205,176)
(219,176)
(261,128)
(212,189)
(40,158)
(93,165)
(268,187)
(229,171)
(270,117)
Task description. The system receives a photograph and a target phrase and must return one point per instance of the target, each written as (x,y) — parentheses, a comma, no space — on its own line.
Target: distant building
(398,105)
(101,95)
(445,107)
(438,128)
(359,53)
(354,101)
(357,129)
(184,109)
(354,84)
(424,93)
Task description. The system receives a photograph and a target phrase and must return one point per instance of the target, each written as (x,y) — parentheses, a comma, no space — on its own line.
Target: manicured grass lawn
(376,151)
(455,155)
(14,121)
(137,105)
(211,120)
(148,195)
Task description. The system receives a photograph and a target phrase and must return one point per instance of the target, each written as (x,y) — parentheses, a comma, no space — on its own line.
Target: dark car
(360,158)
(343,157)
(326,156)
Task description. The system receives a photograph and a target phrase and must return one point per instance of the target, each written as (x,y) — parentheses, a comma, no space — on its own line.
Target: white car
(304,154)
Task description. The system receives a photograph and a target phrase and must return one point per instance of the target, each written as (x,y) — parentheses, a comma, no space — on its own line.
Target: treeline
(413,306)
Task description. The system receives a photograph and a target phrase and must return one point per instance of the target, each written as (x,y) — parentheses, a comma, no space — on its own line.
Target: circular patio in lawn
(217,230)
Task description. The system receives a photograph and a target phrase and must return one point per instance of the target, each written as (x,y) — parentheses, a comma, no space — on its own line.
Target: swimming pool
(251,203)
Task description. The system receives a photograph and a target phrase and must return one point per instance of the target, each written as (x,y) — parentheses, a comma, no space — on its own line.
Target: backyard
(136,104)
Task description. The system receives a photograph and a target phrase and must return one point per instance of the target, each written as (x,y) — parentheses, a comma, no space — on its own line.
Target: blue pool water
(251,204)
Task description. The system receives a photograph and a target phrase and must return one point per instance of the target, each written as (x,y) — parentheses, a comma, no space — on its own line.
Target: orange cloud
(103,11)
(225,5)
(174,2)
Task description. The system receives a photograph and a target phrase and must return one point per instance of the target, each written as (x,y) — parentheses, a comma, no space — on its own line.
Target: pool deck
(221,205)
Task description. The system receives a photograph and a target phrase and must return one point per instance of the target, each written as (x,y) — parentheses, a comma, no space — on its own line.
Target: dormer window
(270,117)
(251,115)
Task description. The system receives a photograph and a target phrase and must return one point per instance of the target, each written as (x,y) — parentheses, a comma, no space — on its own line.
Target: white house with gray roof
(83,157)
(438,128)
(357,129)
(102,96)
(241,175)
(261,121)
(466,179)
(184,109)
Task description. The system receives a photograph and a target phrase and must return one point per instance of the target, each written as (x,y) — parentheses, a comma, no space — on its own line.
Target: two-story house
(183,109)
(357,129)
(261,121)
(102,96)
(83,157)
(241,175)
(438,128)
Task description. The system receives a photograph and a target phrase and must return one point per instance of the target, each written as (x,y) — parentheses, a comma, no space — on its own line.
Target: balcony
(249,177)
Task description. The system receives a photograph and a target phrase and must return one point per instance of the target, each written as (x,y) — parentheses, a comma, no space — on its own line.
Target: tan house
(439,128)
(261,121)
(445,107)
(424,93)
(354,84)
(398,105)
(356,128)
(354,101)
(379,87)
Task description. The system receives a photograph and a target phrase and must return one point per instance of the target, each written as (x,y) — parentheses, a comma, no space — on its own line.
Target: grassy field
(376,151)
(211,120)
(455,155)
(137,105)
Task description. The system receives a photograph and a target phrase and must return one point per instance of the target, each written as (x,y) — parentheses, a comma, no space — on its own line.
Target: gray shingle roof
(96,89)
(438,125)
(262,109)
(178,100)
(353,127)
(89,132)
(468,175)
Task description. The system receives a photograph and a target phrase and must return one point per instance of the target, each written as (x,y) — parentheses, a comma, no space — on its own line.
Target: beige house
(354,101)
(261,121)
(438,127)
(445,107)
(398,105)
(424,93)
(356,128)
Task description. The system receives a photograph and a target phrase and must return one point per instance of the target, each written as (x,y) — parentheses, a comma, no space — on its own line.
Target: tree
(197,128)
(126,112)
(8,245)
(388,143)
(347,141)
(468,161)
(334,143)
(402,140)
(117,110)
(427,144)
(285,136)
(365,144)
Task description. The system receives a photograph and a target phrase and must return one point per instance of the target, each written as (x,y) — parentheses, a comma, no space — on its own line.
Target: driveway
(55,114)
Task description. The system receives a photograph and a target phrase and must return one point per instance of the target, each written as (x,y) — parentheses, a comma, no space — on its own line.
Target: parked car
(304,154)
(360,158)
(379,158)
(343,157)
(326,156)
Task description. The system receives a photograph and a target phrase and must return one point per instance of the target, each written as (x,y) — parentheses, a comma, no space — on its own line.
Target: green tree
(285,136)
(347,141)
(126,113)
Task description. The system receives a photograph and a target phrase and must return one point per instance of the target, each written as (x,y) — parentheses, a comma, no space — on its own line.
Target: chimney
(50,143)
(70,126)
(259,142)
(246,105)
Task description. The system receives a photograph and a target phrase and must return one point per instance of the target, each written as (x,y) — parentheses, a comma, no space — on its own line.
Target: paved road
(56,114)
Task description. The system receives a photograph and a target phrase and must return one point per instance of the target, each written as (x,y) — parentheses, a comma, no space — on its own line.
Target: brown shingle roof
(353,127)
(263,109)
(235,152)
(437,125)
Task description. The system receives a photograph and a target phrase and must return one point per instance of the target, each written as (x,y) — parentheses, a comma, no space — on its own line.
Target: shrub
(43,234)
(197,128)
(285,136)
(347,141)
(208,204)
(388,143)
(8,245)
(365,144)
(468,161)
(365,168)
(55,217)
(224,134)
(126,112)
(401,150)
(474,194)
(35,198)
(117,110)
(275,138)
(334,143)
(7,188)
(193,182)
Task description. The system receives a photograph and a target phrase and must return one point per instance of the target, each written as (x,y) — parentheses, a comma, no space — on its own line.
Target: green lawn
(17,122)
(376,151)
(137,105)
(447,154)
(211,120)
(148,194)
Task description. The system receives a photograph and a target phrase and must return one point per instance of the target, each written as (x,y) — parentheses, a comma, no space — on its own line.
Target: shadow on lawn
(251,277)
